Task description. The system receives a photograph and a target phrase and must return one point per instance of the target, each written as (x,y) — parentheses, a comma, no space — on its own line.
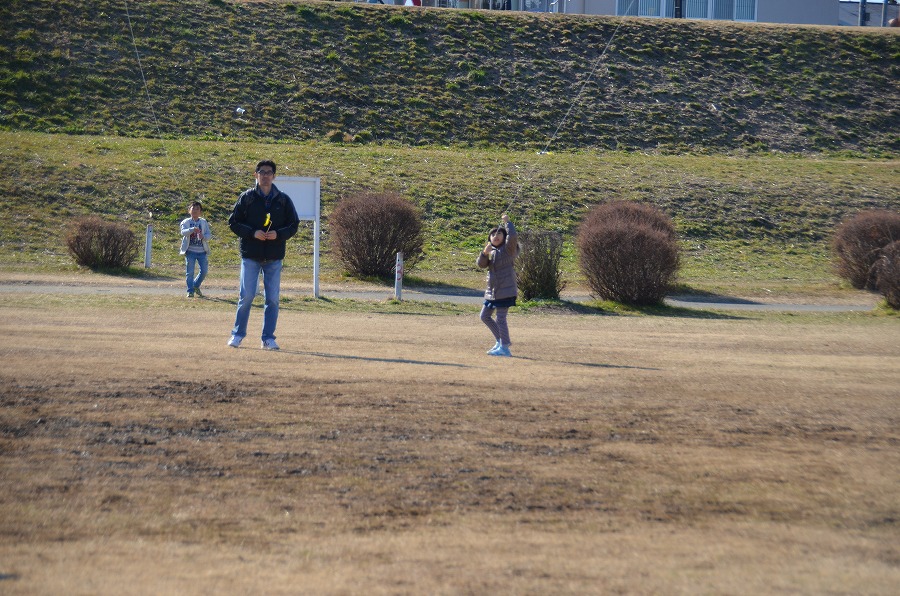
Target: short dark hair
(266,162)
(196,204)
(498,230)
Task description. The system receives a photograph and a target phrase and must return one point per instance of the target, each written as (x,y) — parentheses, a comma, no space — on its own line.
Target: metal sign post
(398,277)
(148,245)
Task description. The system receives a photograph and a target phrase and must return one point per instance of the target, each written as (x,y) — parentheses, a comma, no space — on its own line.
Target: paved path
(456,295)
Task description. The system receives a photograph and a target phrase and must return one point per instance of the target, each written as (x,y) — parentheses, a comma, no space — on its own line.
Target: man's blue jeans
(271,272)
(191,260)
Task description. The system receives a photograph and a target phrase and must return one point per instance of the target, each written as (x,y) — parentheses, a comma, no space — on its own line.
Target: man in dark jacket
(264,218)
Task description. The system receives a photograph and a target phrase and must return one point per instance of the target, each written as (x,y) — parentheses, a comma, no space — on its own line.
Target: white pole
(148,244)
(398,277)
(316,257)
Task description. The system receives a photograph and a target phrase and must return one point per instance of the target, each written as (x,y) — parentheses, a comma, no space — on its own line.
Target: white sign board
(305,194)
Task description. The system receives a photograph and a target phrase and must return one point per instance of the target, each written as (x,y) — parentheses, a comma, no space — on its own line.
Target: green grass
(759,222)
(443,77)
(446,107)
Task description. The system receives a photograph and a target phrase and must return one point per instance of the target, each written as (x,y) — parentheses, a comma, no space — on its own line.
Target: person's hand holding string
(268,233)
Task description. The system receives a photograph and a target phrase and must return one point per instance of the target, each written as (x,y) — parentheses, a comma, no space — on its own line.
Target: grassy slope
(457,77)
(443,76)
(777,210)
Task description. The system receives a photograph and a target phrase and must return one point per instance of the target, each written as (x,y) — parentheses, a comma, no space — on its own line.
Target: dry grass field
(384,453)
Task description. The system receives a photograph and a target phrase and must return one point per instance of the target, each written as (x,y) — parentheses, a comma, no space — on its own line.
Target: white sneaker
(501,351)
(269,344)
(495,348)
(235,341)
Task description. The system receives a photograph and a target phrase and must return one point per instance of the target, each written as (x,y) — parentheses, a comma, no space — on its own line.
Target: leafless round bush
(887,274)
(629,253)
(630,213)
(368,229)
(537,266)
(100,244)
(857,243)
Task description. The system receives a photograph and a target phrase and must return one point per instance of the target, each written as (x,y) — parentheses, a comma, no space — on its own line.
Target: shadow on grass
(597,308)
(418,308)
(415,313)
(135,273)
(688,294)
(588,364)
(373,359)
(682,312)
(617,308)
(417,284)
(434,287)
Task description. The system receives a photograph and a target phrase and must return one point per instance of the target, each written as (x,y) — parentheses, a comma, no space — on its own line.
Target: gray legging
(498,328)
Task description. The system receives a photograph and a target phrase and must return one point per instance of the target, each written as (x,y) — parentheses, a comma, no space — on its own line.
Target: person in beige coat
(499,258)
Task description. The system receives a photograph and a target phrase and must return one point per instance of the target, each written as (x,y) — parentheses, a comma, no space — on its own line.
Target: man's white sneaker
(269,344)
(235,341)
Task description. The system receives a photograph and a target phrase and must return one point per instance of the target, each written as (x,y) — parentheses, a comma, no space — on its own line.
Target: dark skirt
(502,303)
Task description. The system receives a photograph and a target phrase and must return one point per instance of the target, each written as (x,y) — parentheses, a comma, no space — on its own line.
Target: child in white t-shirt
(195,235)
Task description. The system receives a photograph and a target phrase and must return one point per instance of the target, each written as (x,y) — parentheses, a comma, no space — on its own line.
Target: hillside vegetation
(306,70)
(739,217)
(757,140)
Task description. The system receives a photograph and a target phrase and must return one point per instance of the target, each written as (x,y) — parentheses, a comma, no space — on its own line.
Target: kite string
(143,78)
(529,174)
(572,105)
